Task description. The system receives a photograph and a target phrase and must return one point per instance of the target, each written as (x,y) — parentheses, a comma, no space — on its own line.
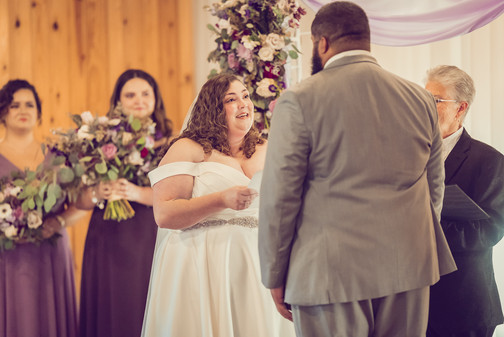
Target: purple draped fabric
(407,23)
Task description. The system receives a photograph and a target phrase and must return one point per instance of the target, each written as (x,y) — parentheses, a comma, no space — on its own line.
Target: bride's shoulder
(184,149)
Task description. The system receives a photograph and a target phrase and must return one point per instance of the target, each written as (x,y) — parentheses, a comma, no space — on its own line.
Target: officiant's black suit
(467,299)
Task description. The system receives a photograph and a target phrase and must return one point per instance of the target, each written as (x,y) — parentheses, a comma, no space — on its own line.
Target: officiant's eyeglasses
(439,100)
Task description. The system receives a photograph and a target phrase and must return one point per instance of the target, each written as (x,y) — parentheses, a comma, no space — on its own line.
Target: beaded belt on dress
(246,221)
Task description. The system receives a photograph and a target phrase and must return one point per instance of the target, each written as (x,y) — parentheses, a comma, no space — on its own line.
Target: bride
(205,278)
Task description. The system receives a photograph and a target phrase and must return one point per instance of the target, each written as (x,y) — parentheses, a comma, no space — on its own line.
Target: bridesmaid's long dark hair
(163,123)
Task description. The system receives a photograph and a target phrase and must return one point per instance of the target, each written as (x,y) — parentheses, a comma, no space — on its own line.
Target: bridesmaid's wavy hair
(163,123)
(7,95)
(208,126)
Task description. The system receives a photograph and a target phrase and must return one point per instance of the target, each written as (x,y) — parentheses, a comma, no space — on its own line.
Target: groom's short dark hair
(341,20)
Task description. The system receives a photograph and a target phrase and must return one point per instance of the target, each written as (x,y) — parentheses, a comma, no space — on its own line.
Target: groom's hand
(282,307)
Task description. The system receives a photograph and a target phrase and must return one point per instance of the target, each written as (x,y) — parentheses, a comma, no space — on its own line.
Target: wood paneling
(73,52)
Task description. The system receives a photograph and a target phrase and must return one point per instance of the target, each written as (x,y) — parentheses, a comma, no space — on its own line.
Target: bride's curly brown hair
(208,126)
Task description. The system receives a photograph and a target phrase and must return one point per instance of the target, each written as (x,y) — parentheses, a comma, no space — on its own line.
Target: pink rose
(109,150)
(233,62)
(243,52)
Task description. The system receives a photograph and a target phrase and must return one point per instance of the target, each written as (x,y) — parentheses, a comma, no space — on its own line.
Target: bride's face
(239,109)
(137,98)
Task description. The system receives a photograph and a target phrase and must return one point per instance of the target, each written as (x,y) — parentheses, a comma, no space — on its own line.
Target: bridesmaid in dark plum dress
(118,255)
(37,290)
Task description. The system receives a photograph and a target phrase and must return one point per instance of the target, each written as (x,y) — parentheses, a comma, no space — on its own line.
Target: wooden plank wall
(74,50)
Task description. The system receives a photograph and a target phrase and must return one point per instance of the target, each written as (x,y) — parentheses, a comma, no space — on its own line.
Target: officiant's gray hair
(341,20)
(457,82)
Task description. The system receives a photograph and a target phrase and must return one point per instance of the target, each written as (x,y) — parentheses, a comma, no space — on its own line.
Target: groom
(351,194)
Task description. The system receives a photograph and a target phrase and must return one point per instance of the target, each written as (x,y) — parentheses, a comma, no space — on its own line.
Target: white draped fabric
(479,53)
(407,23)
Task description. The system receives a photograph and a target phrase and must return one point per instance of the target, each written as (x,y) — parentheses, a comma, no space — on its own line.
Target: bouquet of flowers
(27,198)
(109,148)
(254,42)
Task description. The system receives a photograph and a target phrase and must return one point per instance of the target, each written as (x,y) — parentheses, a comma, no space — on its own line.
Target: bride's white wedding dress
(205,281)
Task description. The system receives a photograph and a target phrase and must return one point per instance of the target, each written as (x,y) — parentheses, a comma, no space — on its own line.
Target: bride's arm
(172,203)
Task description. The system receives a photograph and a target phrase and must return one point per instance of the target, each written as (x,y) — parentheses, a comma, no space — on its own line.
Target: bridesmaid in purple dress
(118,255)
(37,291)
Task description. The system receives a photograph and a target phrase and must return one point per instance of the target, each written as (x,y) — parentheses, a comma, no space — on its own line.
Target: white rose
(151,128)
(15,191)
(248,43)
(10,231)
(135,158)
(223,24)
(87,117)
(275,41)
(114,122)
(263,87)
(230,3)
(250,66)
(83,133)
(34,220)
(103,119)
(258,117)
(266,53)
(126,138)
(5,211)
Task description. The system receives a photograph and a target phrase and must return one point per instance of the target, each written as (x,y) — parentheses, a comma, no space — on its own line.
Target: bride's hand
(238,197)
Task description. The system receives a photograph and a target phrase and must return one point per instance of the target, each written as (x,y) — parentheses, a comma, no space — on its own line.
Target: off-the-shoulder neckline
(209,162)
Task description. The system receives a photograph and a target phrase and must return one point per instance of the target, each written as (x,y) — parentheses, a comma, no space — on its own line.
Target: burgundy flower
(144,152)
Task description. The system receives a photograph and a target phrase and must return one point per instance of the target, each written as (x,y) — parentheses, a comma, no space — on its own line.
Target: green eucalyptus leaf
(212,28)
(293,55)
(117,161)
(49,202)
(86,159)
(136,125)
(54,190)
(39,201)
(58,160)
(24,206)
(73,158)
(18,182)
(31,203)
(112,175)
(141,141)
(77,119)
(42,189)
(101,168)
(66,175)
(30,175)
(234,44)
(79,170)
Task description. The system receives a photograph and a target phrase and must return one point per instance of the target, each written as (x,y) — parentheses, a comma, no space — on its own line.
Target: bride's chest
(246,166)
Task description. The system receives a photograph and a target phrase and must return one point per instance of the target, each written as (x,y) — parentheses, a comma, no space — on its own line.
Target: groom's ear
(323,46)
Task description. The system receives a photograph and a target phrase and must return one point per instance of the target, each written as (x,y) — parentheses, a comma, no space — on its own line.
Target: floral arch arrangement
(254,41)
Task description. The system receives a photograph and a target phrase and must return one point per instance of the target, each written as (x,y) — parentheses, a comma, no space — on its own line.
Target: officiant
(466,302)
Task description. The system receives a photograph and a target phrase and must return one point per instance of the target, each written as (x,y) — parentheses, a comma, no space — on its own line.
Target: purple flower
(18,213)
(226,45)
(272,88)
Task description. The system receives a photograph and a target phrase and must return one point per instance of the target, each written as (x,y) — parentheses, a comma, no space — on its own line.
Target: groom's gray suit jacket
(351,187)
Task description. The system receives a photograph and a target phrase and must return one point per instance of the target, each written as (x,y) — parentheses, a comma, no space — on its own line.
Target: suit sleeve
(488,192)
(435,167)
(282,188)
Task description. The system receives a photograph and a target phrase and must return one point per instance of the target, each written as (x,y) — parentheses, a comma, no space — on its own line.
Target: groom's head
(338,26)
